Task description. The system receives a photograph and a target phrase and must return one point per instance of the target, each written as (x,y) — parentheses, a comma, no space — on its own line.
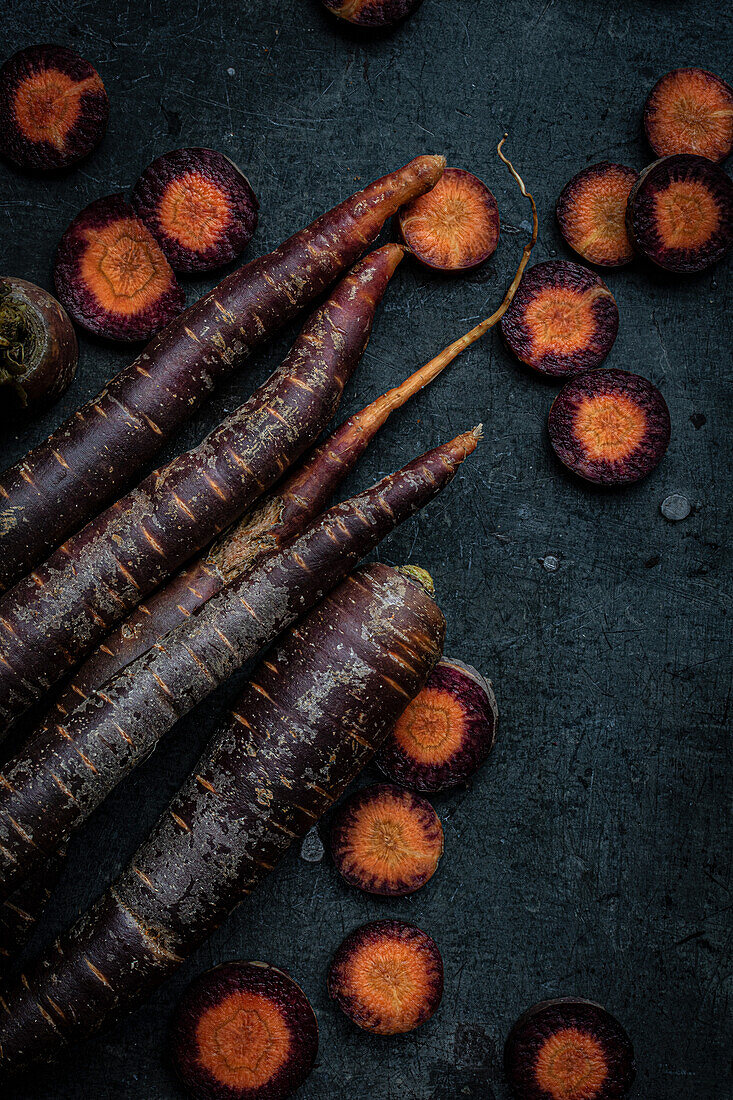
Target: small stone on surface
(311,850)
(675,507)
(550,563)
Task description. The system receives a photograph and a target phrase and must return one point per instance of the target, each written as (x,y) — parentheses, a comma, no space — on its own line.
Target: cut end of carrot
(53,108)
(420,576)
(563,319)
(609,426)
(199,207)
(591,213)
(455,226)
(38,349)
(690,111)
(386,840)
(387,977)
(243,1031)
(445,733)
(374,14)
(111,275)
(568,1050)
(680,213)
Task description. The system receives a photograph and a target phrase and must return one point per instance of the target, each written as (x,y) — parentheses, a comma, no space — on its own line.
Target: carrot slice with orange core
(373,14)
(568,1049)
(455,226)
(111,275)
(386,840)
(387,977)
(591,213)
(690,111)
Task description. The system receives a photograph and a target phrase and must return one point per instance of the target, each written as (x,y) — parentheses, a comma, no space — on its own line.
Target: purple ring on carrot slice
(568,1049)
(563,319)
(53,108)
(609,426)
(680,213)
(372,14)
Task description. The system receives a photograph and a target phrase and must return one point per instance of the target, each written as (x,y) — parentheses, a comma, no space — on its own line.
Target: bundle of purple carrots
(122,608)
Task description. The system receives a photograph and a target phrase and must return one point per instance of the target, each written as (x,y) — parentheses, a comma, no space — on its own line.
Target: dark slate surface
(589,856)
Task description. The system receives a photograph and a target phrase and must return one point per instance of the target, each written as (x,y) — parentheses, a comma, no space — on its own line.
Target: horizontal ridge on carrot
(66,770)
(278,516)
(310,718)
(50,619)
(64,481)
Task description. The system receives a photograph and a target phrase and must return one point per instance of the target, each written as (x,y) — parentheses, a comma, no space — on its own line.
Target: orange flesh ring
(431,729)
(450,225)
(391,982)
(123,268)
(561,320)
(47,105)
(686,214)
(609,426)
(387,839)
(692,114)
(598,216)
(194,211)
(243,1041)
(571,1065)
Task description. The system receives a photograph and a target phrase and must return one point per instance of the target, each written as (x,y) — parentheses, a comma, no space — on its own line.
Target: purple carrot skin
(20,912)
(66,770)
(48,620)
(276,518)
(312,716)
(63,482)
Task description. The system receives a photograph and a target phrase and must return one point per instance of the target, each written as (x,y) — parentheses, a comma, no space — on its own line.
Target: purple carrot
(63,482)
(49,619)
(312,716)
(66,770)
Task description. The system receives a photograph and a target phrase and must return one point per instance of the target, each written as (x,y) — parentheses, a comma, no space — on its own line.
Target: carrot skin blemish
(568,1049)
(199,207)
(446,732)
(563,319)
(609,426)
(112,276)
(243,1031)
(372,14)
(591,213)
(690,111)
(680,213)
(454,227)
(53,108)
(386,840)
(387,977)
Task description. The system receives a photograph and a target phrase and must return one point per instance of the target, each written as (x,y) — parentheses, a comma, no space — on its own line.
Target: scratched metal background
(590,854)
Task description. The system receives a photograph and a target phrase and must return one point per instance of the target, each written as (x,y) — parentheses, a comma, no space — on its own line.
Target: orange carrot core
(610,426)
(561,320)
(430,730)
(388,840)
(47,104)
(571,1065)
(686,213)
(452,227)
(124,267)
(692,113)
(392,983)
(598,218)
(243,1041)
(194,211)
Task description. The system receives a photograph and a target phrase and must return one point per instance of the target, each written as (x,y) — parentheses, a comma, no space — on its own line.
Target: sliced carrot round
(609,426)
(111,275)
(591,213)
(680,213)
(453,227)
(199,207)
(386,840)
(690,111)
(53,108)
(446,733)
(387,977)
(244,1031)
(563,319)
(568,1049)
